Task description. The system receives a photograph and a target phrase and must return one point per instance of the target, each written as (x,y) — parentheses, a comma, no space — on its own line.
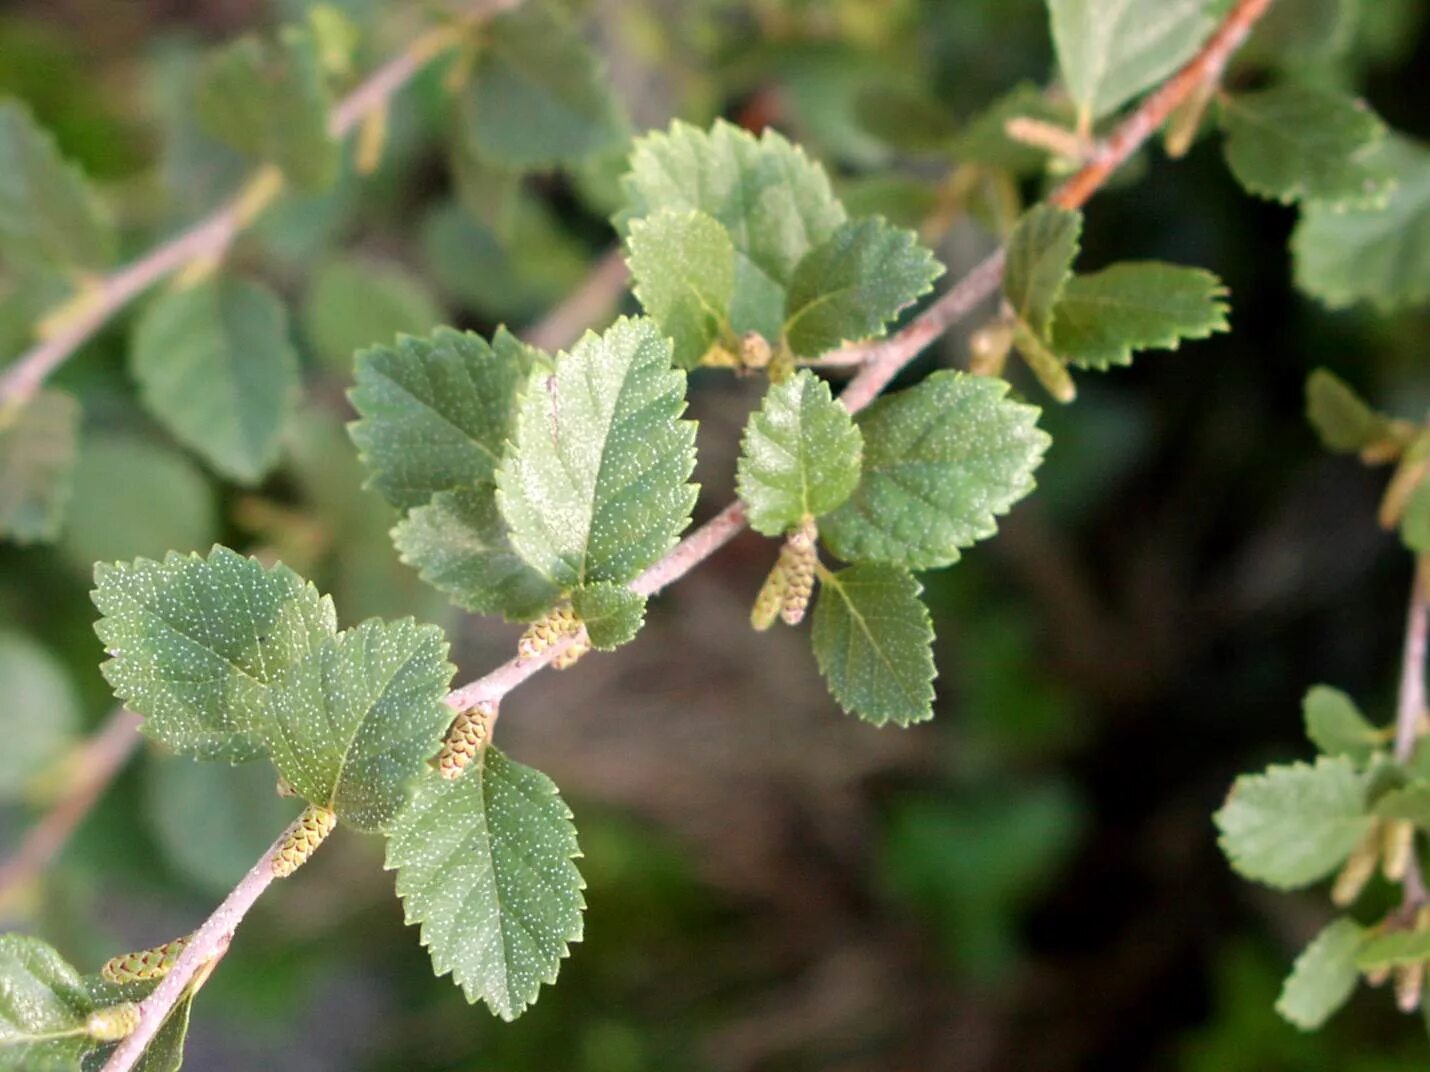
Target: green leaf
(1040,255)
(40,716)
(355,721)
(459,544)
(37,455)
(1101,318)
(941,461)
(1409,802)
(1294,824)
(43,1008)
(800,455)
(49,215)
(436,413)
(353,304)
(135,497)
(854,284)
(1302,143)
(1111,50)
(538,95)
(210,820)
(773,201)
(1335,725)
(1324,977)
(1341,418)
(683,265)
(1394,949)
(270,102)
(595,485)
(873,641)
(484,864)
(1379,255)
(215,367)
(611,613)
(194,644)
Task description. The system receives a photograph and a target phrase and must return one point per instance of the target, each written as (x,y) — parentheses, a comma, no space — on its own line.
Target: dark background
(1030,882)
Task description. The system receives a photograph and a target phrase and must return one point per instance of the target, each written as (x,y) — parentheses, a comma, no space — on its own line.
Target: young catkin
(771,598)
(313,825)
(145,965)
(798,556)
(470,732)
(1409,985)
(113,1022)
(1358,869)
(569,657)
(547,630)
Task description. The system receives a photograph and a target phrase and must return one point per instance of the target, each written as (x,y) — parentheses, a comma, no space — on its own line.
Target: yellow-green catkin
(571,655)
(1409,985)
(547,630)
(470,732)
(1358,869)
(798,556)
(113,1022)
(308,832)
(770,599)
(1398,847)
(145,965)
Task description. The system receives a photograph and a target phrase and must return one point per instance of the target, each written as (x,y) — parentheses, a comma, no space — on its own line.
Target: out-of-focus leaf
(215,367)
(1298,143)
(135,497)
(1341,418)
(537,95)
(984,140)
(1293,825)
(271,102)
(48,213)
(1111,50)
(1324,977)
(213,820)
(1378,255)
(1335,725)
(353,304)
(37,455)
(971,863)
(1040,255)
(39,716)
(512,276)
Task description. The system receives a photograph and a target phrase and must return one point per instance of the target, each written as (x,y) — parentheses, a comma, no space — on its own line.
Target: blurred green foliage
(1039,868)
